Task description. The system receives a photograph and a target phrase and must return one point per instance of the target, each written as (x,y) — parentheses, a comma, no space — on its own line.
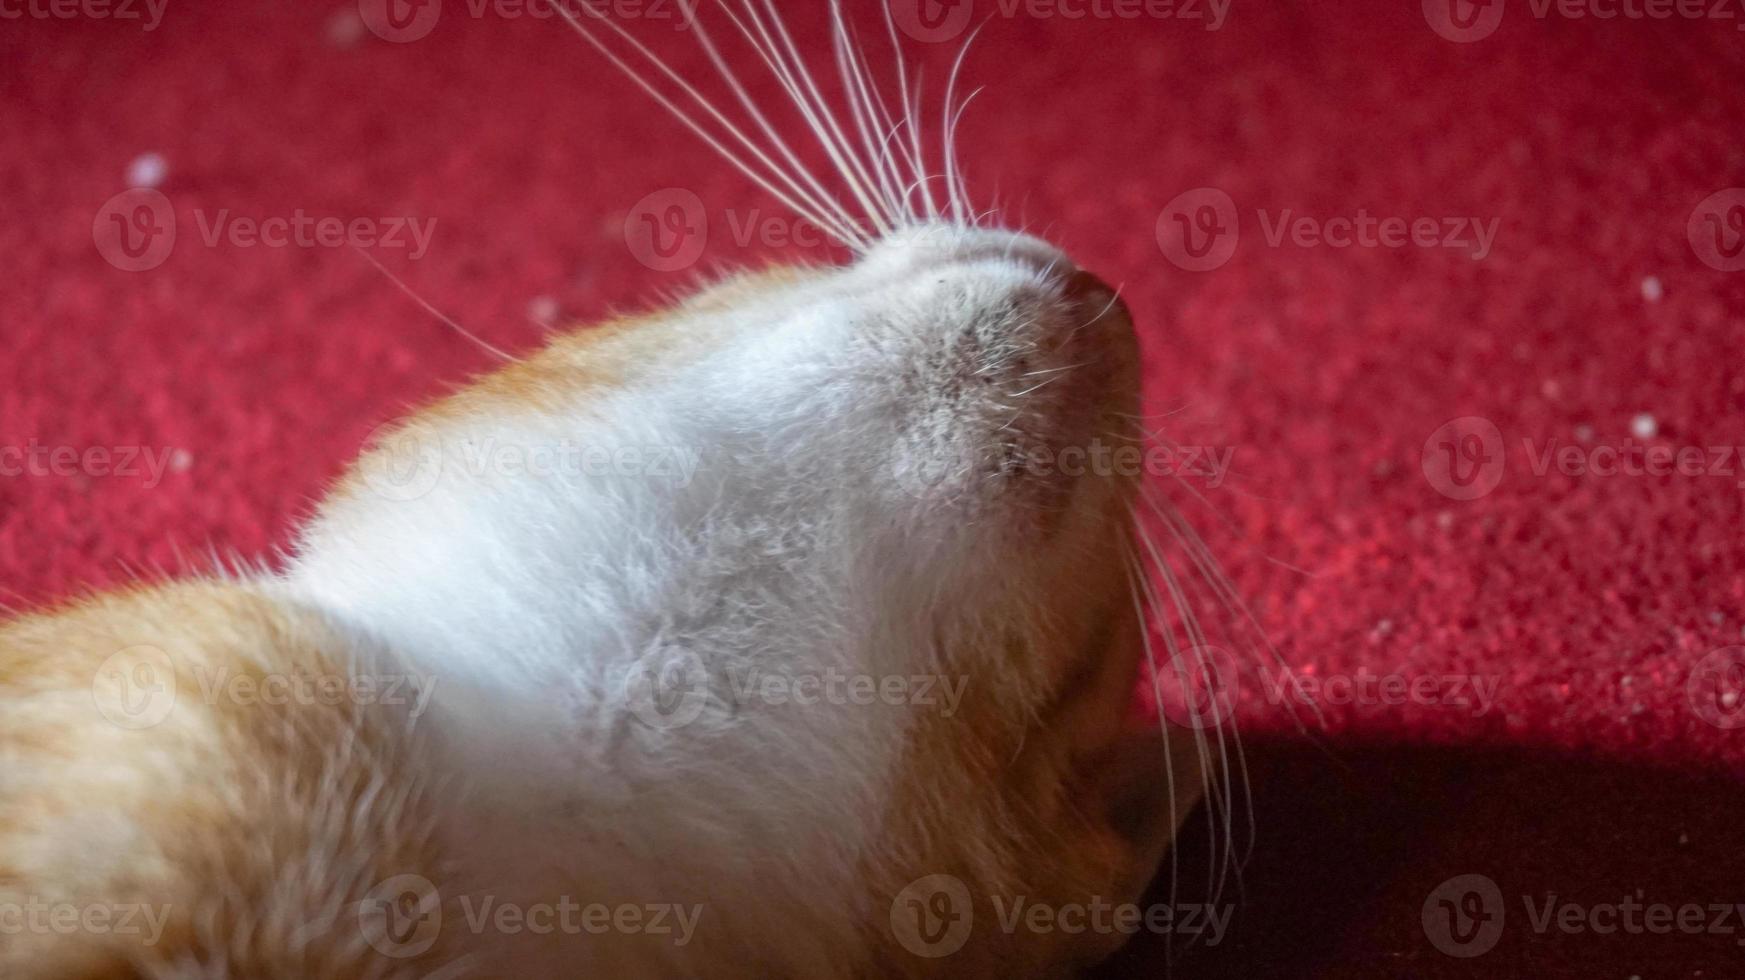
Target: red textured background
(1589,599)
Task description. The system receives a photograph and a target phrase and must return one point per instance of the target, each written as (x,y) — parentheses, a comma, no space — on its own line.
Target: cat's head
(875,628)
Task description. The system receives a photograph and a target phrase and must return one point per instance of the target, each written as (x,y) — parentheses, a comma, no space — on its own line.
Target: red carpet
(1584,594)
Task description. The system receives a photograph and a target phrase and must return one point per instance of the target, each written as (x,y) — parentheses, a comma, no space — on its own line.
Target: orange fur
(262,828)
(577,365)
(231,816)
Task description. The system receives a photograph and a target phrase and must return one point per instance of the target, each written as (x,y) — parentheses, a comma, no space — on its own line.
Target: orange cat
(771,634)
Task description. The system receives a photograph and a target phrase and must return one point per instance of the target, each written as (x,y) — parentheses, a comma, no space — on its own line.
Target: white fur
(817,532)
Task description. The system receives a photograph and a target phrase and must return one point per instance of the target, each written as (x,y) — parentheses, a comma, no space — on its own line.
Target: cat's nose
(935,245)
(949,243)
(1096,298)
(1093,326)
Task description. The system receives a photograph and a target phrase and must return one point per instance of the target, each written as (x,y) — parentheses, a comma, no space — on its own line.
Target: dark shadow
(1348,851)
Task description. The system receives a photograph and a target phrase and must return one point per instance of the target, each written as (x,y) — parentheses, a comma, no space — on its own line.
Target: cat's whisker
(1206,765)
(799,169)
(1212,578)
(1135,576)
(771,54)
(829,135)
(1212,571)
(897,159)
(1036,387)
(1220,788)
(1147,418)
(955,177)
(1055,370)
(870,113)
(431,309)
(954,185)
(1114,298)
(829,218)
(916,157)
